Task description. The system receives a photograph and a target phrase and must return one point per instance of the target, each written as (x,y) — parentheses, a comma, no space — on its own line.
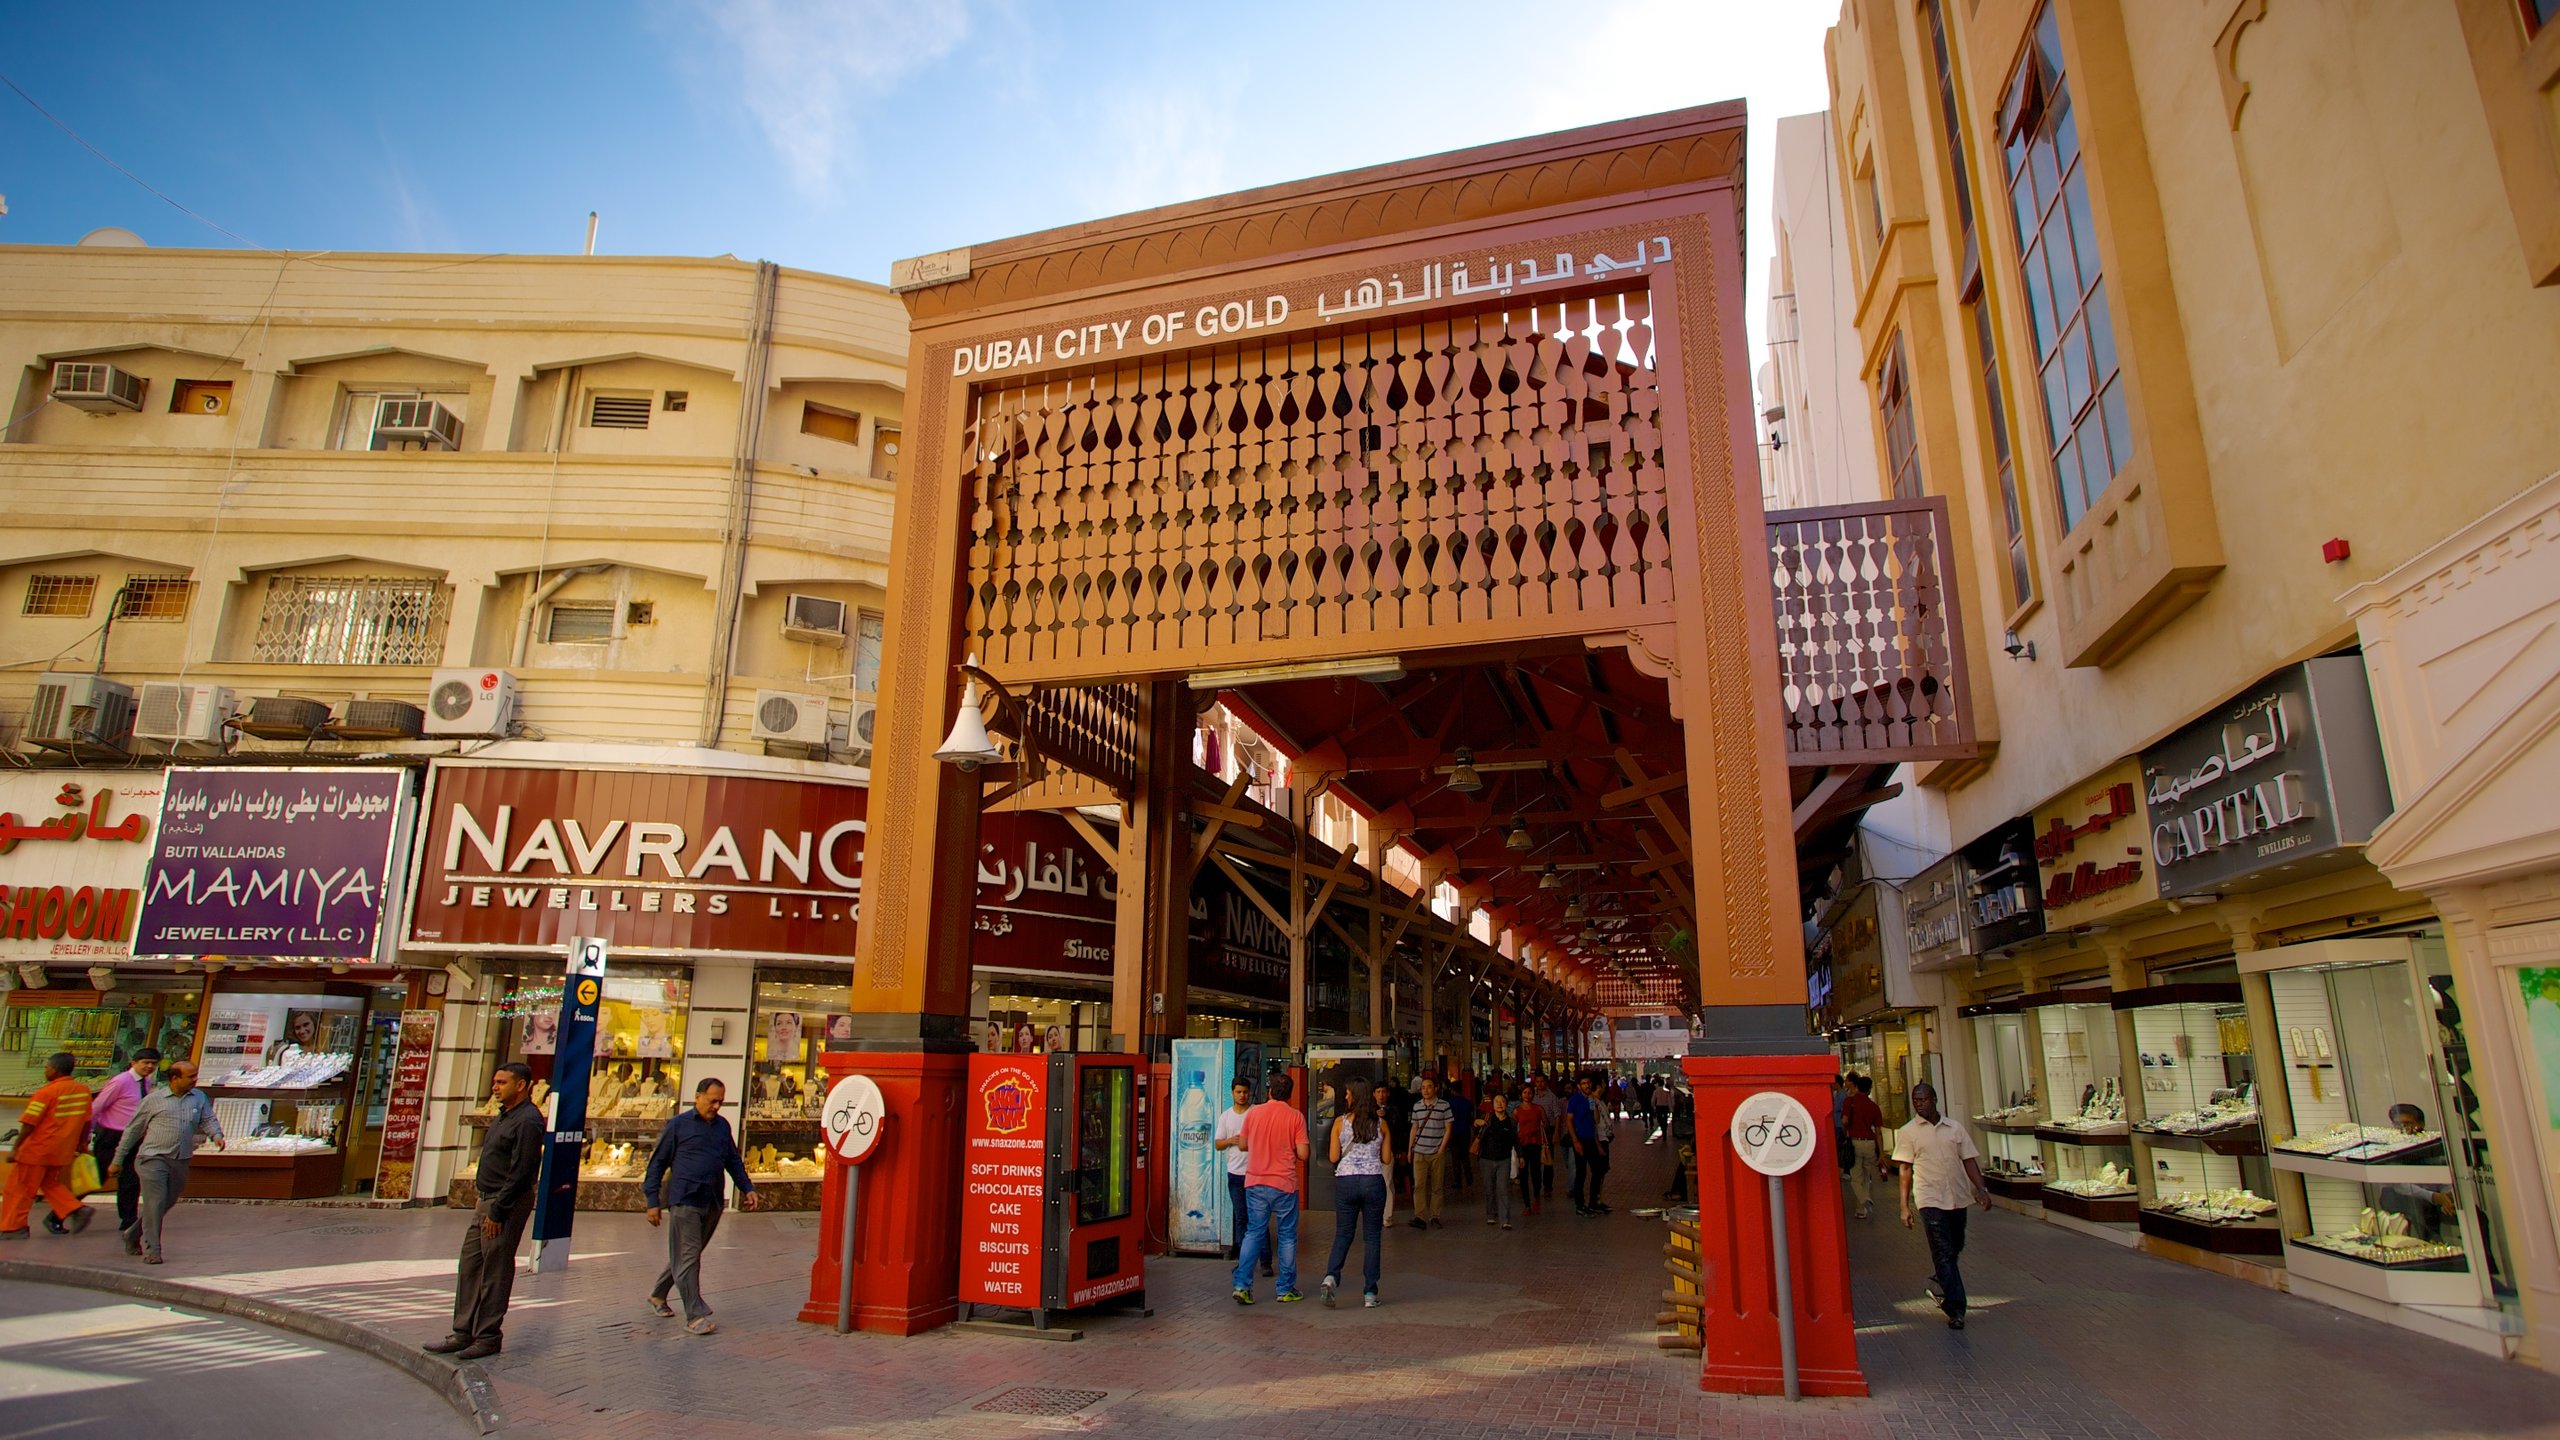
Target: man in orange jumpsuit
(50,1132)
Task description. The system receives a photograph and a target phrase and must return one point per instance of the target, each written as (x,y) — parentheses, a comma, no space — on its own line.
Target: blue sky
(835,135)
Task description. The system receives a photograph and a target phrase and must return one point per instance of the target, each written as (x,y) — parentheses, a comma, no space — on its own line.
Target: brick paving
(1542,1332)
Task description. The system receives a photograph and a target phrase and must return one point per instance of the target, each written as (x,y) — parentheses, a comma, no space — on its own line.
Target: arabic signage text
(1438,282)
(2090,851)
(292,863)
(2290,769)
(404,1114)
(72,861)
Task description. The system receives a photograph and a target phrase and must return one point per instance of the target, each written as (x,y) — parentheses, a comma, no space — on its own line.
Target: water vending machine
(1051,1212)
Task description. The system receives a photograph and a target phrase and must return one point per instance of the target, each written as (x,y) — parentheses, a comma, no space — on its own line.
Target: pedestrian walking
(1363,1154)
(693,1153)
(1537,1179)
(50,1131)
(1663,1092)
(1864,1120)
(110,1115)
(1496,1137)
(1275,1147)
(158,1146)
(510,1167)
(1228,1139)
(1559,1128)
(1395,1108)
(1462,1119)
(1434,1121)
(1941,1173)
(1587,1112)
(1684,1144)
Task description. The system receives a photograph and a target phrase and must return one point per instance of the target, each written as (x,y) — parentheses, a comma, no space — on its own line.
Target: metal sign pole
(1786,1286)
(844,1253)
(556,1208)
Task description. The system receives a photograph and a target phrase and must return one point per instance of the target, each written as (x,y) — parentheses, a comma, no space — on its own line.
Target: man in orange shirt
(50,1132)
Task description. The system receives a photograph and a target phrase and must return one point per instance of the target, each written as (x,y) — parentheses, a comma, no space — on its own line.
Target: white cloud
(803,69)
(1164,145)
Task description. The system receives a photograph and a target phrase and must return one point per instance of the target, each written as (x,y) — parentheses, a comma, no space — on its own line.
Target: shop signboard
(74,848)
(2092,847)
(404,1114)
(1937,923)
(2287,771)
(1235,948)
(2002,901)
(1004,1160)
(294,863)
(1857,957)
(1048,901)
(555,1208)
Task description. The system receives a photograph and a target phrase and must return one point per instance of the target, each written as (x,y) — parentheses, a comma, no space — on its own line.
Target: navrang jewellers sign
(2288,770)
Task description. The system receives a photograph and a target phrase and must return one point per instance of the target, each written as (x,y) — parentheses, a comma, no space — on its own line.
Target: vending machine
(1203,1073)
(1050,1212)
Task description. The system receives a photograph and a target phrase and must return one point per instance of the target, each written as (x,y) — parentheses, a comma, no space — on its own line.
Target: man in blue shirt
(1583,1113)
(694,1152)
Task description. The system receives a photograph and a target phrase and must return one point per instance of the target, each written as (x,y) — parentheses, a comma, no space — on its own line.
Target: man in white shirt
(1228,1140)
(1941,1174)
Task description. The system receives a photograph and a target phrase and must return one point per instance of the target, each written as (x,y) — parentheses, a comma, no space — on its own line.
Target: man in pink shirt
(108,1115)
(1275,1147)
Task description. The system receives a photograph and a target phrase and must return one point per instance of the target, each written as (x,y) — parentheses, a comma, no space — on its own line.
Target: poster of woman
(782,1038)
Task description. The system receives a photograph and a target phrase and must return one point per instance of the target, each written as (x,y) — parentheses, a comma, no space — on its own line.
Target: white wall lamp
(968,746)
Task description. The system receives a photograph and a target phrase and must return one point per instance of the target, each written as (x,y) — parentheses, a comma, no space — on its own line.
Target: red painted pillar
(907,1231)
(1741,1352)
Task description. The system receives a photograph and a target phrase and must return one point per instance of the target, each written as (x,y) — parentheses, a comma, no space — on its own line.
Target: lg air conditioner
(98,388)
(421,422)
(792,719)
(80,714)
(184,714)
(814,618)
(471,702)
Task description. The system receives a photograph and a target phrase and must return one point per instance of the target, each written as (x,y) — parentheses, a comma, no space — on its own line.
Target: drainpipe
(730,602)
(550,587)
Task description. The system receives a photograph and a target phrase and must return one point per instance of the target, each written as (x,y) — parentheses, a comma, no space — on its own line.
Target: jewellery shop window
(2203,1156)
(2012,1162)
(101,1030)
(637,1077)
(2088,1152)
(796,1013)
(2371,1117)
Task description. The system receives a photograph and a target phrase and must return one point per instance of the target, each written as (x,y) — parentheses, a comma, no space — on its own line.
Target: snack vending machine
(1050,1214)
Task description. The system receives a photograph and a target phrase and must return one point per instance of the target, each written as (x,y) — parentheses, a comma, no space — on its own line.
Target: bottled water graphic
(1196,1123)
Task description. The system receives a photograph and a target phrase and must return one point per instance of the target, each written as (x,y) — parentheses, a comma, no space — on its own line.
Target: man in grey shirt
(159,1141)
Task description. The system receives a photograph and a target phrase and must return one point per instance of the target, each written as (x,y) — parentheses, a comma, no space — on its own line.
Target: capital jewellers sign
(523,858)
(2287,771)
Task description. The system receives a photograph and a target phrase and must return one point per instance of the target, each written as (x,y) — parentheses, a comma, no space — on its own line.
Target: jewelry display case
(2198,1141)
(2012,1161)
(2087,1144)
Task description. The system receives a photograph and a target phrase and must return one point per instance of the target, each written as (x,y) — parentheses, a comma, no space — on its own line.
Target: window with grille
(579,624)
(60,597)
(156,597)
(2087,431)
(618,412)
(352,620)
(866,653)
(1901,436)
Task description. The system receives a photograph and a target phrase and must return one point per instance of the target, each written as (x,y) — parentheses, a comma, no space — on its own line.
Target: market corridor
(1544,1331)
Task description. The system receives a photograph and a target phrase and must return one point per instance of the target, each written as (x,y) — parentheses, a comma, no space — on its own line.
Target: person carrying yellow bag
(50,1130)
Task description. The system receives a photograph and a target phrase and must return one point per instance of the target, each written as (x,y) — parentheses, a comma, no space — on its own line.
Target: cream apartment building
(587,521)
(2225,330)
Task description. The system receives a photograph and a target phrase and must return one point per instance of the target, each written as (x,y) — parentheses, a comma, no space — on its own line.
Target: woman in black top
(1496,1135)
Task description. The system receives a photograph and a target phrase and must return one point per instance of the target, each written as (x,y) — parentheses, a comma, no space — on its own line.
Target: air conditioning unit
(423,421)
(471,702)
(858,727)
(791,718)
(377,720)
(813,617)
(78,713)
(184,714)
(285,717)
(98,388)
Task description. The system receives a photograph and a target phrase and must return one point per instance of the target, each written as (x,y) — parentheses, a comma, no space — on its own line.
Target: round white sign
(1773,1133)
(856,1113)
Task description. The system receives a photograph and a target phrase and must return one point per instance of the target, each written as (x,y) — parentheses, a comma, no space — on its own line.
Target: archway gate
(1442,474)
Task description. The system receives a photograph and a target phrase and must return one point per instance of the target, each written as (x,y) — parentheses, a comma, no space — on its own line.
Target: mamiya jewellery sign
(2289,770)
(2092,845)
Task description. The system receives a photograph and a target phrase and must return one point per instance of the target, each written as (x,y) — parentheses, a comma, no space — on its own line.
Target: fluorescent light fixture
(1380,668)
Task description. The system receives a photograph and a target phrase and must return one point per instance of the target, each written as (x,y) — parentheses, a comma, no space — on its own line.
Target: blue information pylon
(565,1147)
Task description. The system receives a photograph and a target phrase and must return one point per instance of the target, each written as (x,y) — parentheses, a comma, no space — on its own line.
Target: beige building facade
(2222,331)
(592,525)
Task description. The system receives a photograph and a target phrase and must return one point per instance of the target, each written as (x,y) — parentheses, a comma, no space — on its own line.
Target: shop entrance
(1439,479)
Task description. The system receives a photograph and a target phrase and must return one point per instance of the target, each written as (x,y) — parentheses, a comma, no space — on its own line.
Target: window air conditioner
(184,714)
(98,388)
(80,713)
(813,617)
(423,421)
(790,718)
(471,702)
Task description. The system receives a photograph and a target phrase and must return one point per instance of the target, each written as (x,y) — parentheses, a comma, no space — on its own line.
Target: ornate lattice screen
(1473,477)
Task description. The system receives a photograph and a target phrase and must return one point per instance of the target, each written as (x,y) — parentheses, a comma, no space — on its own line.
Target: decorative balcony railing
(1870,656)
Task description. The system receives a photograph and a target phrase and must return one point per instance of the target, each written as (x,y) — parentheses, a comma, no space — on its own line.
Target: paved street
(76,1363)
(1546,1331)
